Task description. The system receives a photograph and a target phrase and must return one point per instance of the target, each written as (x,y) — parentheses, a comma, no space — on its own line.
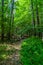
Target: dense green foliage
(31,52)
(20,17)
(24,17)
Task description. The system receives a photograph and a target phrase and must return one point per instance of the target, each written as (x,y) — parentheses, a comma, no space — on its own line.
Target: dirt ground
(14,58)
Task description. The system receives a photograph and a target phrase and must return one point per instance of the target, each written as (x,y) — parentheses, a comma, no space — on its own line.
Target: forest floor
(14,58)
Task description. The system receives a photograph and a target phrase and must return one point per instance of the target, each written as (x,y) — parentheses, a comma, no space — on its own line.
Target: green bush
(31,52)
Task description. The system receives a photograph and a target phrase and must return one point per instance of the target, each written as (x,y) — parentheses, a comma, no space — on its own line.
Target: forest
(21,32)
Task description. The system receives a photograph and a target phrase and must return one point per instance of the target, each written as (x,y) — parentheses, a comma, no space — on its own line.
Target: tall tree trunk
(2,24)
(38,20)
(11,19)
(42,36)
(33,17)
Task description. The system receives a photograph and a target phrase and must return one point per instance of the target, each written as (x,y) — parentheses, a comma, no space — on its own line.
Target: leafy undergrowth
(5,51)
(31,52)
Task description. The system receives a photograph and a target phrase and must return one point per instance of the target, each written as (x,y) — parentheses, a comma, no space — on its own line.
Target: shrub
(31,52)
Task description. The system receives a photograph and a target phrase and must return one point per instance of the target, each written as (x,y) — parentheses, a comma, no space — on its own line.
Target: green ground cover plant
(31,52)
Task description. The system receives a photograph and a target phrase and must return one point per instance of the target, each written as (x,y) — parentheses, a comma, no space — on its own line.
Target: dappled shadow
(10,55)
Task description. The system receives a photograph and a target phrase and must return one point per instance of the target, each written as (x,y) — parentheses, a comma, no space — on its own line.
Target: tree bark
(2,24)
(33,17)
(11,20)
(38,20)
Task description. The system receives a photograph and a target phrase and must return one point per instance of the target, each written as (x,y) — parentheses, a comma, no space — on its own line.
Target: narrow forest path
(16,55)
(14,58)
